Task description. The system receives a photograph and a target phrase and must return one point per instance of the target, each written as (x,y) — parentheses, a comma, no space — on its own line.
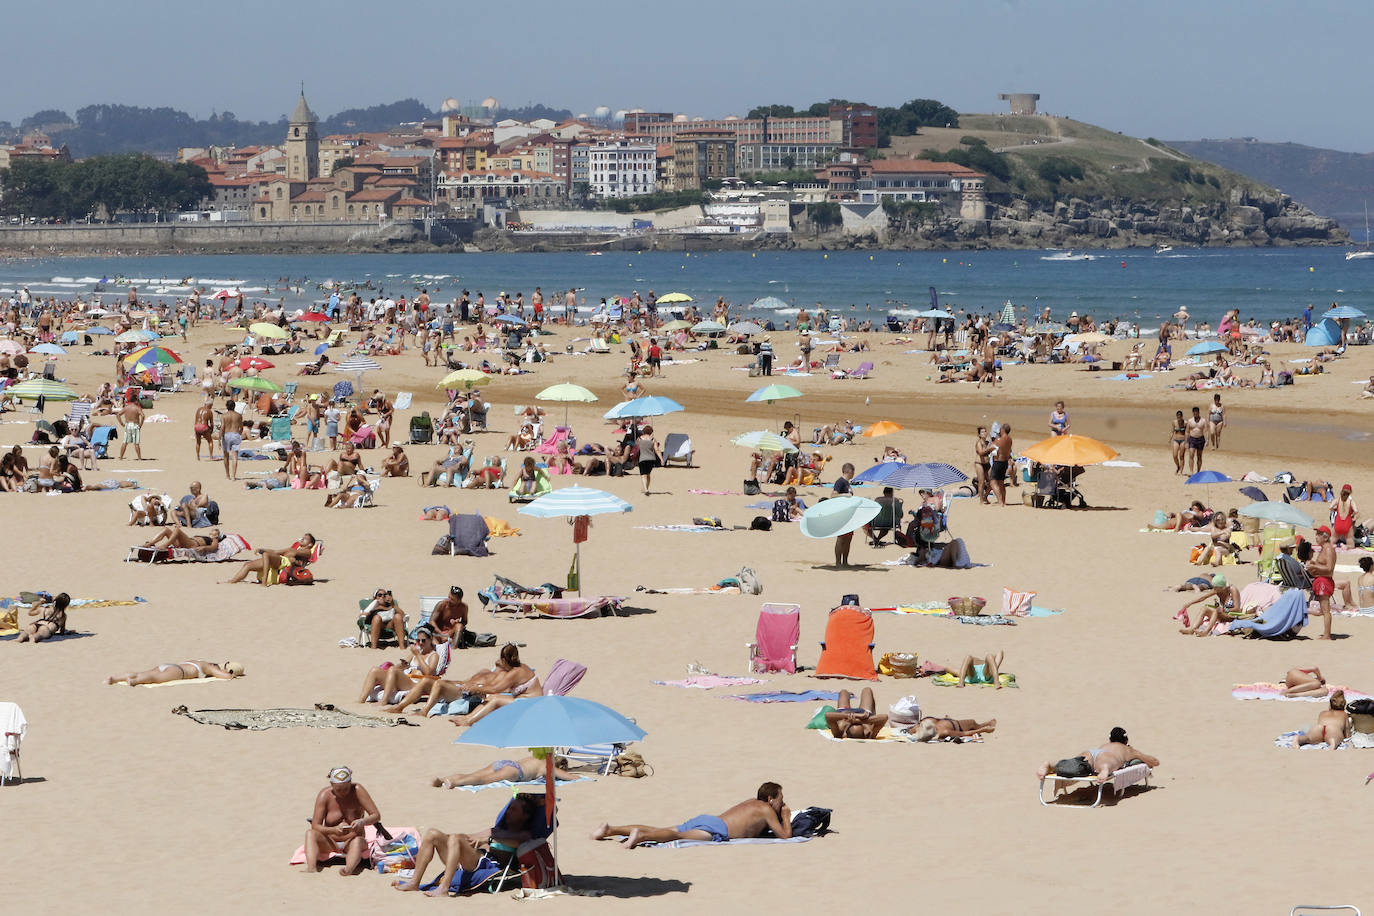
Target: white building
(618,168)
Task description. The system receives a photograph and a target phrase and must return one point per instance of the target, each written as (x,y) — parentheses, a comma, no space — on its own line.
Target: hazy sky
(1173,69)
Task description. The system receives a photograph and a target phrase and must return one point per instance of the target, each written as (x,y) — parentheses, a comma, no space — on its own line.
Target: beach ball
(870,257)
(944,260)
(825,257)
(1311,270)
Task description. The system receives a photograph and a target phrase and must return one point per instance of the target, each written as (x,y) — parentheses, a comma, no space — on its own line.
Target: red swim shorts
(1323,586)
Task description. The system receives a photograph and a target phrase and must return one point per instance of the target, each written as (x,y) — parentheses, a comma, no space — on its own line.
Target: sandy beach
(150,808)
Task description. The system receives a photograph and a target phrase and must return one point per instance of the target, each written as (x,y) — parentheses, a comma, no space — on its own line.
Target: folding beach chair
(530,864)
(677,447)
(848,647)
(542,486)
(887,519)
(289,389)
(550,445)
(100,440)
(421,429)
(364,625)
(776,636)
(79,413)
(13,727)
(1120,781)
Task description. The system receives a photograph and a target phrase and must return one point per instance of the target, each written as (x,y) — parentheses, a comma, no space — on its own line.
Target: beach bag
(1016,604)
(761,523)
(780,510)
(927,524)
(752,488)
(1073,767)
(630,764)
(298,575)
(906,711)
(537,867)
(749,583)
(899,664)
(443,546)
(811,822)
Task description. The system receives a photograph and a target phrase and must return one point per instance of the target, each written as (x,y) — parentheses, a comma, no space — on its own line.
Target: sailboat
(1365,252)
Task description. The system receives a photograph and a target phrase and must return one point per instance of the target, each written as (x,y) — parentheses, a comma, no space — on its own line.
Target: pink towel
(369,832)
(1263,691)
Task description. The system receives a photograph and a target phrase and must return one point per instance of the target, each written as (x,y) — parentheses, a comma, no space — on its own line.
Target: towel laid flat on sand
(260,719)
(952,680)
(197,680)
(746,841)
(786,696)
(707,681)
(507,784)
(1264,691)
(1289,740)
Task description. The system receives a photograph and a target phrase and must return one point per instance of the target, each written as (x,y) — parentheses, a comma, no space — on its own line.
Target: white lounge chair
(12,729)
(1120,781)
(677,447)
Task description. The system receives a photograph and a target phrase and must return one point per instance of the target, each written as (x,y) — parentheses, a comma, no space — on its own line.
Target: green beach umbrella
(675,297)
(771,393)
(37,388)
(677,324)
(255,383)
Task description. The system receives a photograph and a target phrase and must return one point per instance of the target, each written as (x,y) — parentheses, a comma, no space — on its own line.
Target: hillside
(1067,182)
(1331,182)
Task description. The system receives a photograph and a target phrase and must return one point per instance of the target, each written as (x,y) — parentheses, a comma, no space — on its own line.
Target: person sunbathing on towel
(1227,605)
(420,666)
(52,623)
(1304,682)
(270,564)
(1100,763)
(177,536)
(1333,725)
(179,671)
(940,728)
(343,809)
(508,674)
(850,721)
(277,480)
(988,671)
(464,850)
(523,770)
(435,513)
(767,811)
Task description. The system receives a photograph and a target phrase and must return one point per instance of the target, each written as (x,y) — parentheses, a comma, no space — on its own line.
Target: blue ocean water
(1137,284)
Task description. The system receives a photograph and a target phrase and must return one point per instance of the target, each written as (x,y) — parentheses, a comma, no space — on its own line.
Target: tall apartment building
(621,168)
(702,155)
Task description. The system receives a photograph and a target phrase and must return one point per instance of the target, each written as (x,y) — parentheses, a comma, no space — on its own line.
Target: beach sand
(142,807)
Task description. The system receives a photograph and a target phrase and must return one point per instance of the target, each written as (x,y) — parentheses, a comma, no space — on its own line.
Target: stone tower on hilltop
(302,144)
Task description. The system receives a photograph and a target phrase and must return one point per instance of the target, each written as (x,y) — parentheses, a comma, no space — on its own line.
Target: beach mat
(708,681)
(261,719)
(527,783)
(786,696)
(1262,691)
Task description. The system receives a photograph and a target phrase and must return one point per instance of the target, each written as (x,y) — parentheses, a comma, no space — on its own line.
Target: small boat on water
(1068,256)
(1360,254)
(1162,249)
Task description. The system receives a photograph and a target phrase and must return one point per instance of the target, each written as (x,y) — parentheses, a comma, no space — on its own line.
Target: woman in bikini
(850,721)
(940,728)
(522,770)
(177,536)
(1365,586)
(1343,515)
(529,478)
(1178,442)
(386,413)
(1304,682)
(1333,724)
(1227,604)
(52,623)
(982,463)
(179,671)
(509,673)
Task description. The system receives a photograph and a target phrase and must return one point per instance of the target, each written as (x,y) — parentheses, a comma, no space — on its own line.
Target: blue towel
(1283,615)
(787,696)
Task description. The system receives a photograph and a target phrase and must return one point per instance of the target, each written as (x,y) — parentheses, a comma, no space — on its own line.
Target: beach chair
(188,374)
(776,636)
(78,414)
(832,363)
(468,533)
(1270,535)
(598,345)
(530,864)
(543,485)
(421,429)
(887,520)
(50,370)
(403,400)
(365,437)
(847,650)
(364,633)
(677,447)
(1120,781)
(13,727)
(427,604)
(550,445)
(100,440)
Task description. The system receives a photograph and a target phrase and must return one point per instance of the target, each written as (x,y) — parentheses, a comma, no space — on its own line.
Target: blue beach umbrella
(571,502)
(769,302)
(511,319)
(1208,477)
(69,337)
(321,348)
(49,349)
(878,473)
(649,406)
(1343,311)
(931,475)
(1325,333)
(1207,346)
(1255,493)
(99,329)
(1278,512)
(934,313)
(839,515)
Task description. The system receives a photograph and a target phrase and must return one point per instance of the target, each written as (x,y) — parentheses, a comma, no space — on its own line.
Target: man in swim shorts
(131,415)
(1197,429)
(767,811)
(231,437)
(1321,568)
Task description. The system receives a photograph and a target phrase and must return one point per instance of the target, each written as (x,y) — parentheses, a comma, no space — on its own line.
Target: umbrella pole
(577,555)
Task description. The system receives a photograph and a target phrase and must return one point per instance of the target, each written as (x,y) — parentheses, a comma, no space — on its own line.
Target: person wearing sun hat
(343,812)
(1224,602)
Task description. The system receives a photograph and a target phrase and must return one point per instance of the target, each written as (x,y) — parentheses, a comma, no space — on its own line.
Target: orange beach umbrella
(1071,451)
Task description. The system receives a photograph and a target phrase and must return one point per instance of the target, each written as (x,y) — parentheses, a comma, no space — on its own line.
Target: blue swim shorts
(709,823)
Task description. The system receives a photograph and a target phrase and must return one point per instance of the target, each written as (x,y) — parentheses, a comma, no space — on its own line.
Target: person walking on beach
(1216,420)
(1197,440)
(1059,420)
(747,819)
(648,455)
(230,438)
(1001,460)
(1178,442)
(204,426)
(131,414)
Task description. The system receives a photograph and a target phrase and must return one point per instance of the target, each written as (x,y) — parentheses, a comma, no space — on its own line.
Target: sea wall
(291,236)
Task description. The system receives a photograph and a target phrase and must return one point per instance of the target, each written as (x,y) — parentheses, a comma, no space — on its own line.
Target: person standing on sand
(230,438)
(204,428)
(1178,442)
(1059,420)
(1001,460)
(1321,568)
(1216,420)
(343,809)
(131,415)
(1197,440)
(745,820)
(982,464)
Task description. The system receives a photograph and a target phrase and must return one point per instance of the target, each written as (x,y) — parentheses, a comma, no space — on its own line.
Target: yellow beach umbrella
(1070,451)
(675,297)
(263,329)
(464,378)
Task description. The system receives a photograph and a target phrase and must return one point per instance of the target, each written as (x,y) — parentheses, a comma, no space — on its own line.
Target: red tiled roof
(412,202)
(309,197)
(377,194)
(920,165)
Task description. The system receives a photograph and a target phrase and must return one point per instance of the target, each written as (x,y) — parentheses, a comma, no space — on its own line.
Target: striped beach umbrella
(879,472)
(573,502)
(356,364)
(929,475)
(37,388)
(770,393)
(708,327)
(764,441)
(650,406)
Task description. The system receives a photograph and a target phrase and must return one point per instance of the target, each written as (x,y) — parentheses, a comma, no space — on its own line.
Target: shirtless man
(342,810)
(522,820)
(230,438)
(450,617)
(185,511)
(747,819)
(131,415)
(989,365)
(1001,460)
(1321,568)
(1105,760)
(397,465)
(1333,724)
(204,429)
(1196,428)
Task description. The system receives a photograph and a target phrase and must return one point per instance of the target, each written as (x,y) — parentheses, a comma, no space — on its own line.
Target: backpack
(1073,767)
(299,575)
(752,488)
(761,523)
(443,547)
(811,822)
(749,583)
(927,524)
(212,512)
(780,510)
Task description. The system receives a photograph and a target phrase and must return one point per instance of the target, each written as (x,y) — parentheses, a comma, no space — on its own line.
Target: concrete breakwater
(235,237)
